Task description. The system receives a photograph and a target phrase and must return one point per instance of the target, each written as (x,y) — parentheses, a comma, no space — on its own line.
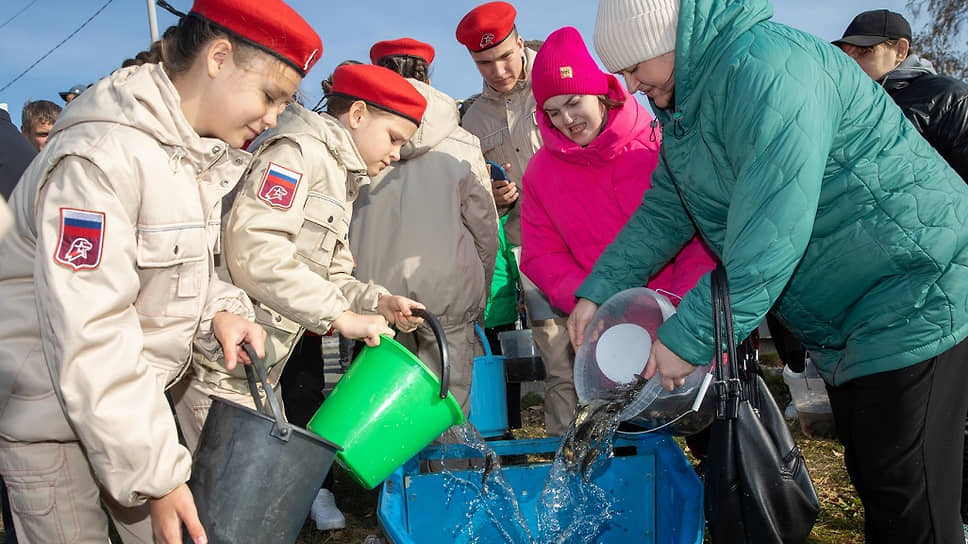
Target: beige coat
(426,227)
(120,328)
(6,219)
(292,256)
(508,129)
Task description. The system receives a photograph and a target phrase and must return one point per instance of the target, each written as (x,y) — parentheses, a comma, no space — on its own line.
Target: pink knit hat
(564,66)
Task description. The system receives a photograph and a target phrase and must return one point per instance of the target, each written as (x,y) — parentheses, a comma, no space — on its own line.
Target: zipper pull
(677,129)
(653,124)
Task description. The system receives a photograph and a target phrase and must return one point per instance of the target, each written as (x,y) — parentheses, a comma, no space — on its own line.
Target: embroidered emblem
(81,238)
(487,40)
(279,186)
(565,72)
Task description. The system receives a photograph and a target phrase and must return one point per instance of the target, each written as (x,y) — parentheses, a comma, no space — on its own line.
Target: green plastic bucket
(386,408)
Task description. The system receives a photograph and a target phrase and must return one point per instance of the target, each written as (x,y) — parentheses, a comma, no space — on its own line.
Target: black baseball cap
(873,27)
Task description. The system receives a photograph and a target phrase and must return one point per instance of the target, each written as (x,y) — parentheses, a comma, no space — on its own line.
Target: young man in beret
(503,118)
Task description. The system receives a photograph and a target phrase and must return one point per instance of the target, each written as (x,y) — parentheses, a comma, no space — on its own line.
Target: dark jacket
(15,154)
(816,194)
(936,104)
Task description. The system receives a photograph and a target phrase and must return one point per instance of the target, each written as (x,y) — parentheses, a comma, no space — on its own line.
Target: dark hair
(38,110)
(152,55)
(336,104)
(406,66)
(181,43)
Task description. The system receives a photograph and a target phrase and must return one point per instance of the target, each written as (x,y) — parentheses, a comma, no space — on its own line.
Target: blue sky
(347,28)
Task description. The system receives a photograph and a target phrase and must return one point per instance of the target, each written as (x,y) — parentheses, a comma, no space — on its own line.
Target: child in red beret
(108,281)
(285,240)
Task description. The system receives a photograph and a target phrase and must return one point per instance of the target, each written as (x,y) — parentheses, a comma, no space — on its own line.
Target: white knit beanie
(628,32)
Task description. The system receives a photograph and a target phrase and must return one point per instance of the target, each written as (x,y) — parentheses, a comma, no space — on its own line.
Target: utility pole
(152,21)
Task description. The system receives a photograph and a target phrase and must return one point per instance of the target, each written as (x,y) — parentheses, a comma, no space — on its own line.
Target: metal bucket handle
(281,430)
(441,345)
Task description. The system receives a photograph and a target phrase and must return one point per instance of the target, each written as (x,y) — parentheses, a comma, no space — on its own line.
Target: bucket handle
(483,338)
(281,429)
(441,345)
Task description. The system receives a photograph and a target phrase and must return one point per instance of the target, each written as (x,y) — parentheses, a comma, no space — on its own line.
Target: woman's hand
(579,319)
(672,369)
(397,310)
(362,327)
(232,331)
(168,513)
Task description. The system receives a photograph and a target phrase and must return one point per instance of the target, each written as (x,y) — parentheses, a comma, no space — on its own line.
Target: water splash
(493,503)
(571,508)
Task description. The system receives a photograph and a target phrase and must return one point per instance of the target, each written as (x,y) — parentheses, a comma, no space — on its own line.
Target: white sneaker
(325,513)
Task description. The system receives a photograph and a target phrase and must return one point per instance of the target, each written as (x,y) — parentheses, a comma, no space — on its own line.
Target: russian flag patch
(81,238)
(278,186)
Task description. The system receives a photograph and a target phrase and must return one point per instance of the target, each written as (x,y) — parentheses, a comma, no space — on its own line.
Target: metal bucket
(255,476)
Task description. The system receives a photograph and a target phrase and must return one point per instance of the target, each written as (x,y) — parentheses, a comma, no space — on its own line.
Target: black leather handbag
(757,486)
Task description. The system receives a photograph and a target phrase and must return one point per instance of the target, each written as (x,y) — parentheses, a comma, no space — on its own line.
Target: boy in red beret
(503,117)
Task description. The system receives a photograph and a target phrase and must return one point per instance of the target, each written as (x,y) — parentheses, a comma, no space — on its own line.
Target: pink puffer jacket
(576,199)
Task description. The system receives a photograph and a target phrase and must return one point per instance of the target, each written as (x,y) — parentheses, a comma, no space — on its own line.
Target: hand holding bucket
(255,476)
(387,407)
(616,349)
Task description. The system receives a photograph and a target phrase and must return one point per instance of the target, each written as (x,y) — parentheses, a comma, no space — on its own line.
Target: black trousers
(302,382)
(11,537)
(902,435)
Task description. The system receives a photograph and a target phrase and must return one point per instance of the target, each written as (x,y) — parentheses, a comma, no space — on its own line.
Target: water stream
(571,507)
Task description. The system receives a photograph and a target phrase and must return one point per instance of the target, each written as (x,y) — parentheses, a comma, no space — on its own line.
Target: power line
(56,47)
(23,9)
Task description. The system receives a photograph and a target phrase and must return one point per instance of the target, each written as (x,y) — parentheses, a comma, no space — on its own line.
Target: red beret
(486,25)
(402,47)
(380,87)
(270,25)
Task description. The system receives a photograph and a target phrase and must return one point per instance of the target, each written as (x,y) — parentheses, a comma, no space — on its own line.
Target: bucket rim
(295,428)
(451,401)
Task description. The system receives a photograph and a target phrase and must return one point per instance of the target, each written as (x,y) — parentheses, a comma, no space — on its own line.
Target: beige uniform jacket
(426,227)
(121,302)
(287,246)
(508,129)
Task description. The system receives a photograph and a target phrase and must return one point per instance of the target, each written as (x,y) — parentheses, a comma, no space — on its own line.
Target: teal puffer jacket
(806,180)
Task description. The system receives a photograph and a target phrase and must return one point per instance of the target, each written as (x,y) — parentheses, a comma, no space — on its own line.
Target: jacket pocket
(44,494)
(492,146)
(173,266)
(324,224)
(267,317)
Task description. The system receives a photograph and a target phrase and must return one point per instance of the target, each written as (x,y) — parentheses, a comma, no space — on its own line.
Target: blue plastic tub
(655,490)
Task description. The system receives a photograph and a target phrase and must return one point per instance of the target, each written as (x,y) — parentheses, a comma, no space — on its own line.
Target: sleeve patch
(278,187)
(81,238)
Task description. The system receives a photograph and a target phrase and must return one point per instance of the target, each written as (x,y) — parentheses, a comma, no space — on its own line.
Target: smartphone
(497,172)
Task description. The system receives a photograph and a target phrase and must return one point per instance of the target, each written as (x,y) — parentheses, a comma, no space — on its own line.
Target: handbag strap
(728,384)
